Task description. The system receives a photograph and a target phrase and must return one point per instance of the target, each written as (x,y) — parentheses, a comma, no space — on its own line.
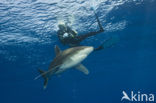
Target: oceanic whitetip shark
(66,59)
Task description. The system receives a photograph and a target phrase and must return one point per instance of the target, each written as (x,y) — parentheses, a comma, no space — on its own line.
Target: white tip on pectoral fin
(82,68)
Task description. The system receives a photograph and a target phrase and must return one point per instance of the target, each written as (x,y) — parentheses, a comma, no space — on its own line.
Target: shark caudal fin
(45,77)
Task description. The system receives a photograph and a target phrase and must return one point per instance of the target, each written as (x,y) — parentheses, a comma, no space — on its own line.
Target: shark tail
(45,77)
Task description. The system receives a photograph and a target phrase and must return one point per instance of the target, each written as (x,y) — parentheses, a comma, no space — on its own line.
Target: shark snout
(88,50)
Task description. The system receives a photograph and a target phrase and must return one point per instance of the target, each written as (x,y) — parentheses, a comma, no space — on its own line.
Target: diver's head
(62,27)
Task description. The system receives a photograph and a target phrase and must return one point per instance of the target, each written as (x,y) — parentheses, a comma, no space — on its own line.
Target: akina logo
(137,97)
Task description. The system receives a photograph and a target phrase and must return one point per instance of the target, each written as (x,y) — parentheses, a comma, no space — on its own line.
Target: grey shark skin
(66,59)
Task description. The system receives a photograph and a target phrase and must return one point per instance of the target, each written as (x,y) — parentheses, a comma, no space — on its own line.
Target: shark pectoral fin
(82,68)
(57,50)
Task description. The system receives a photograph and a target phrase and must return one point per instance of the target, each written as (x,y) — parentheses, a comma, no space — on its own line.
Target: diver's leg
(84,36)
(100,26)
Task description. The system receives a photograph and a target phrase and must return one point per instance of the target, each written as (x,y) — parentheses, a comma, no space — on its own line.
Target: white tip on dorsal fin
(57,50)
(82,68)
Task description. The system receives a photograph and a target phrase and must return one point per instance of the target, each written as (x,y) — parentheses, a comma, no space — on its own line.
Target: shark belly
(71,62)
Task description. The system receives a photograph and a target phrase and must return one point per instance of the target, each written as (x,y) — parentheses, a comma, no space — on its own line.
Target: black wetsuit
(73,39)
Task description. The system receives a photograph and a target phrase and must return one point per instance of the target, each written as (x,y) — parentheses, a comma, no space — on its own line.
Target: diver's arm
(74,32)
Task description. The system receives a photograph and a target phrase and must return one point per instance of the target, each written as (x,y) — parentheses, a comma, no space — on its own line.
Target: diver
(69,37)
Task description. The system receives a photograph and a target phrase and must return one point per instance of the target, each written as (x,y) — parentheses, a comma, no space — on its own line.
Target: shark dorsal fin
(57,50)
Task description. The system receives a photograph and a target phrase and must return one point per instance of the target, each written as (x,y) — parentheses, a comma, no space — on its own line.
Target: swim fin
(108,43)
(97,18)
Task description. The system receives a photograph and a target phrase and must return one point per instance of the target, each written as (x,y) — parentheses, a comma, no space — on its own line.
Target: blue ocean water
(28,34)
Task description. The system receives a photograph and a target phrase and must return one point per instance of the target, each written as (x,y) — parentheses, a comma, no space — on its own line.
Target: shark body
(66,59)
